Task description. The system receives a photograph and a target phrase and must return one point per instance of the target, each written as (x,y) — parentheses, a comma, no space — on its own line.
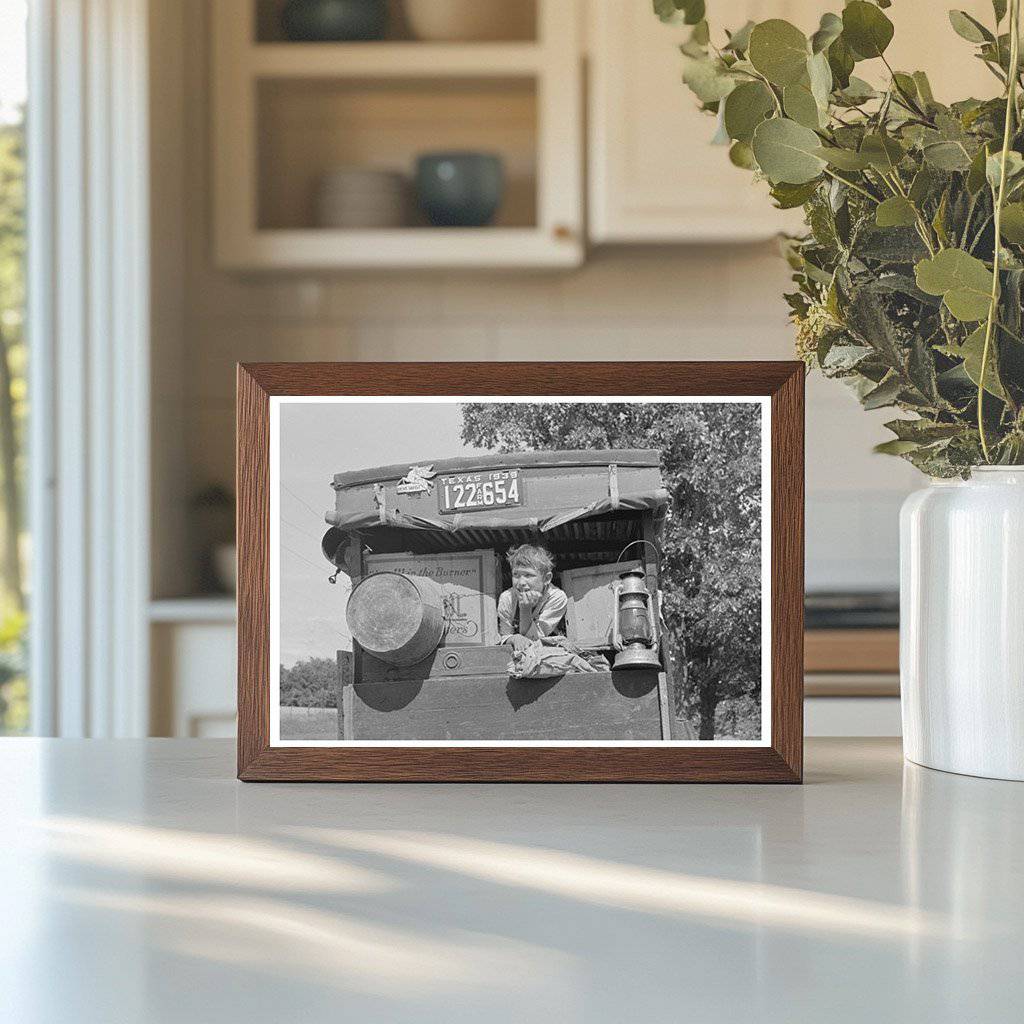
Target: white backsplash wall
(716,303)
(721,302)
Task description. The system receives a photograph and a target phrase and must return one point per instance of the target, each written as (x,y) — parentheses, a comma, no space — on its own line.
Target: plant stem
(1011,108)
(907,99)
(853,185)
(981,231)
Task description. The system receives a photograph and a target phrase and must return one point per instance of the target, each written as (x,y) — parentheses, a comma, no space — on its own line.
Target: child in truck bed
(533,607)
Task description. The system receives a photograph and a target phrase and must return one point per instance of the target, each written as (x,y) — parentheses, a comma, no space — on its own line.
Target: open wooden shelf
(285,114)
(852,650)
(392,60)
(318,248)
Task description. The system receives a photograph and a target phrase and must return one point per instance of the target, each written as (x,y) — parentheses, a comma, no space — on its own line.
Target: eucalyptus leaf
(842,358)
(801,106)
(866,30)
(922,185)
(1012,223)
(976,174)
(921,370)
(906,84)
(972,351)
(741,155)
(947,156)
(708,80)
(939,219)
(868,321)
(841,62)
(883,152)
(819,75)
(857,91)
(779,51)
(745,108)
(739,41)
(689,12)
(829,30)
(924,87)
(701,34)
(787,152)
(894,212)
(923,431)
(993,167)
(788,196)
(844,159)
(721,136)
(666,10)
(969,28)
(895,447)
(963,281)
(883,395)
(889,246)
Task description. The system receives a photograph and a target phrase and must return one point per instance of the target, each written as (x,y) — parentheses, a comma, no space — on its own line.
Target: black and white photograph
(514,571)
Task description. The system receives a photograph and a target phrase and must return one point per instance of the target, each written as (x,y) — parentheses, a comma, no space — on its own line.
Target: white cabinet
(286,114)
(654,177)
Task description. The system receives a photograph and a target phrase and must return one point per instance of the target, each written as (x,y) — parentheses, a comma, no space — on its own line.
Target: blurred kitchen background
(291,218)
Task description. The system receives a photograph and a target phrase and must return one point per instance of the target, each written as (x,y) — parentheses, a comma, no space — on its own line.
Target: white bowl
(362,198)
(471,20)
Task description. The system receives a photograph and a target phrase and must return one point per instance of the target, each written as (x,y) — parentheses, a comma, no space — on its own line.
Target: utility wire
(303,558)
(302,501)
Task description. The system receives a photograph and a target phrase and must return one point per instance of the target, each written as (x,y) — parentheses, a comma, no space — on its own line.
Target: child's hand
(520,642)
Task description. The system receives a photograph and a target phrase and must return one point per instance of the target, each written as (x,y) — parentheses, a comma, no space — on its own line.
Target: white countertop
(140,882)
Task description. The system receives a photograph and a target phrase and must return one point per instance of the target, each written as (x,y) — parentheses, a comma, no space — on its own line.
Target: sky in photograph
(317,441)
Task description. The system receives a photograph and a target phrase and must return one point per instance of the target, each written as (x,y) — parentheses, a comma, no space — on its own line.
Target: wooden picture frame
(779,759)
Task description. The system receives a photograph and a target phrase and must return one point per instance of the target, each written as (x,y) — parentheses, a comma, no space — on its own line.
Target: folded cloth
(554,656)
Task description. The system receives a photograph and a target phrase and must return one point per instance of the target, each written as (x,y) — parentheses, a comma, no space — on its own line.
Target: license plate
(471,492)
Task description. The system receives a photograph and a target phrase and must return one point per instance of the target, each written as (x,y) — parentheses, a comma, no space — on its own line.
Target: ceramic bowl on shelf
(470,20)
(460,189)
(334,21)
(362,197)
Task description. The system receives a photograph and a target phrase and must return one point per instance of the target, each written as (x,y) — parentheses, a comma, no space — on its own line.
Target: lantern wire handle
(657,553)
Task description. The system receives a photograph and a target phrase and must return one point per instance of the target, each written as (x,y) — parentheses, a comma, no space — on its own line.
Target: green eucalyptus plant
(902,289)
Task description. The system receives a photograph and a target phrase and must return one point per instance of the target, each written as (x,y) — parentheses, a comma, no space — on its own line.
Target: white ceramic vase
(962,624)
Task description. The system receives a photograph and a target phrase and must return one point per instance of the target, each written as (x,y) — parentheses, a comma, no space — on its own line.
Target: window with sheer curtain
(14,537)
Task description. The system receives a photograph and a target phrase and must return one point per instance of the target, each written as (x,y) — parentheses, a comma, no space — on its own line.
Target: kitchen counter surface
(140,882)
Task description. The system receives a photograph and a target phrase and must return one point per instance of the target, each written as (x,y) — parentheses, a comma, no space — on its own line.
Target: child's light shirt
(533,621)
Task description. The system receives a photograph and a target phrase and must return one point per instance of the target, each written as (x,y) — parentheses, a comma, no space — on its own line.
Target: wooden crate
(588,617)
(469,578)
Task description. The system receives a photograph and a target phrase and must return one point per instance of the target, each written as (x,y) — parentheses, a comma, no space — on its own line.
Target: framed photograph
(579,572)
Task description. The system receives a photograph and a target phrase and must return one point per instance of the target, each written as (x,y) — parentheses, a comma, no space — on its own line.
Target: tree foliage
(902,291)
(13,411)
(711,562)
(310,683)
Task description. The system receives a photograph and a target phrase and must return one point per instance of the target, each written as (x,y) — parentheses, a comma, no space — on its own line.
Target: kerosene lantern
(634,624)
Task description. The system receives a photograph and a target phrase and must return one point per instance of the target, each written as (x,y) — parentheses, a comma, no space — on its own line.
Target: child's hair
(533,557)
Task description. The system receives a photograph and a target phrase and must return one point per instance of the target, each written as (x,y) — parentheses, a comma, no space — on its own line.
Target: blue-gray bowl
(334,21)
(460,189)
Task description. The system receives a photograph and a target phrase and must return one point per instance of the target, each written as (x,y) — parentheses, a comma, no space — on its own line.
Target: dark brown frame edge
(782,761)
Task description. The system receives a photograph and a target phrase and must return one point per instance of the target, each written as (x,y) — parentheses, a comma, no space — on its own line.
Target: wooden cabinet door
(654,177)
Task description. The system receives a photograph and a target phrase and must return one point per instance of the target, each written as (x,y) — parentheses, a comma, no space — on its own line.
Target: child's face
(529,583)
